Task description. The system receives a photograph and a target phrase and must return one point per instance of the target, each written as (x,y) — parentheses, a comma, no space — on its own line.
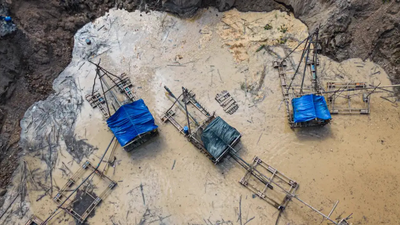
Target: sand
(353,160)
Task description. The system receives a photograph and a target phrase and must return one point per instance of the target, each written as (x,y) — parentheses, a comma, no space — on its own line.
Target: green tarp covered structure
(217,136)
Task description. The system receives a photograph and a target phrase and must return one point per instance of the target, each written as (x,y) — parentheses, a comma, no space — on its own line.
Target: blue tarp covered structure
(131,120)
(310,107)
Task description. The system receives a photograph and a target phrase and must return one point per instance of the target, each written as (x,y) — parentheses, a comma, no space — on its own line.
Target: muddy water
(167,181)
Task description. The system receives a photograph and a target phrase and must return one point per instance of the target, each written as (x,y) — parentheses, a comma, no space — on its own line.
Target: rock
(341,40)
(4,85)
(3,192)
(2,200)
(224,5)
(183,8)
(1,116)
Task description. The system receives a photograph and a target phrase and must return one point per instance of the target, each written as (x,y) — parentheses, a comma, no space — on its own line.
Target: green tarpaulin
(217,136)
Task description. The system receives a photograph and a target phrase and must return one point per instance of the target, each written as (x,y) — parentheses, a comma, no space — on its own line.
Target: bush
(283,28)
(268,27)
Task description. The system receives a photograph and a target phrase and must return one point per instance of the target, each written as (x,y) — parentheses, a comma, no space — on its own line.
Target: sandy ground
(353,160)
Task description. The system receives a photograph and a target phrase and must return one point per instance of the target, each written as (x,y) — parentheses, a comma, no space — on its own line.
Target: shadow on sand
(313,133)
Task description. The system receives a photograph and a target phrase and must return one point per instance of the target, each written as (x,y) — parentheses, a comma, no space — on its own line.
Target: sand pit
(168,181)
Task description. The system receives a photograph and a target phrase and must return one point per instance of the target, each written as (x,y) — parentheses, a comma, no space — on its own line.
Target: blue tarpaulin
(131,120)
(310,107)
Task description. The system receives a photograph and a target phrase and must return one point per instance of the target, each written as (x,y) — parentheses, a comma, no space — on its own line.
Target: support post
(305,66)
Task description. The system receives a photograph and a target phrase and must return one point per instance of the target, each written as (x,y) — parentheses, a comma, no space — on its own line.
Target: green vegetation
(282,40)
(283,28)
(260,48)
(385,1)
(268,27)
(243,86)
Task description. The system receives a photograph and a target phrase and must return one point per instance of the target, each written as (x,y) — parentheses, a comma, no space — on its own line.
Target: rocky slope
(40,49)
(365,29)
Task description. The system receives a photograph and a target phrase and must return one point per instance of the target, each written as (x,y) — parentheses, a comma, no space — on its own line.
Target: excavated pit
(353,160)
(34,55)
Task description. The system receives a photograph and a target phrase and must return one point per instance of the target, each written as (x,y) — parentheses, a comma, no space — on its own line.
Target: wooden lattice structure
(89,200)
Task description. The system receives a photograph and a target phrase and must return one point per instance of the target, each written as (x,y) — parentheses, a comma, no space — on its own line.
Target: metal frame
(96,200)
(289,93)
(124,86)
(34,220)
(140,140)
(342,90)
(97,101)
(122,83)
(334,89)
(256,171)
(189,98)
